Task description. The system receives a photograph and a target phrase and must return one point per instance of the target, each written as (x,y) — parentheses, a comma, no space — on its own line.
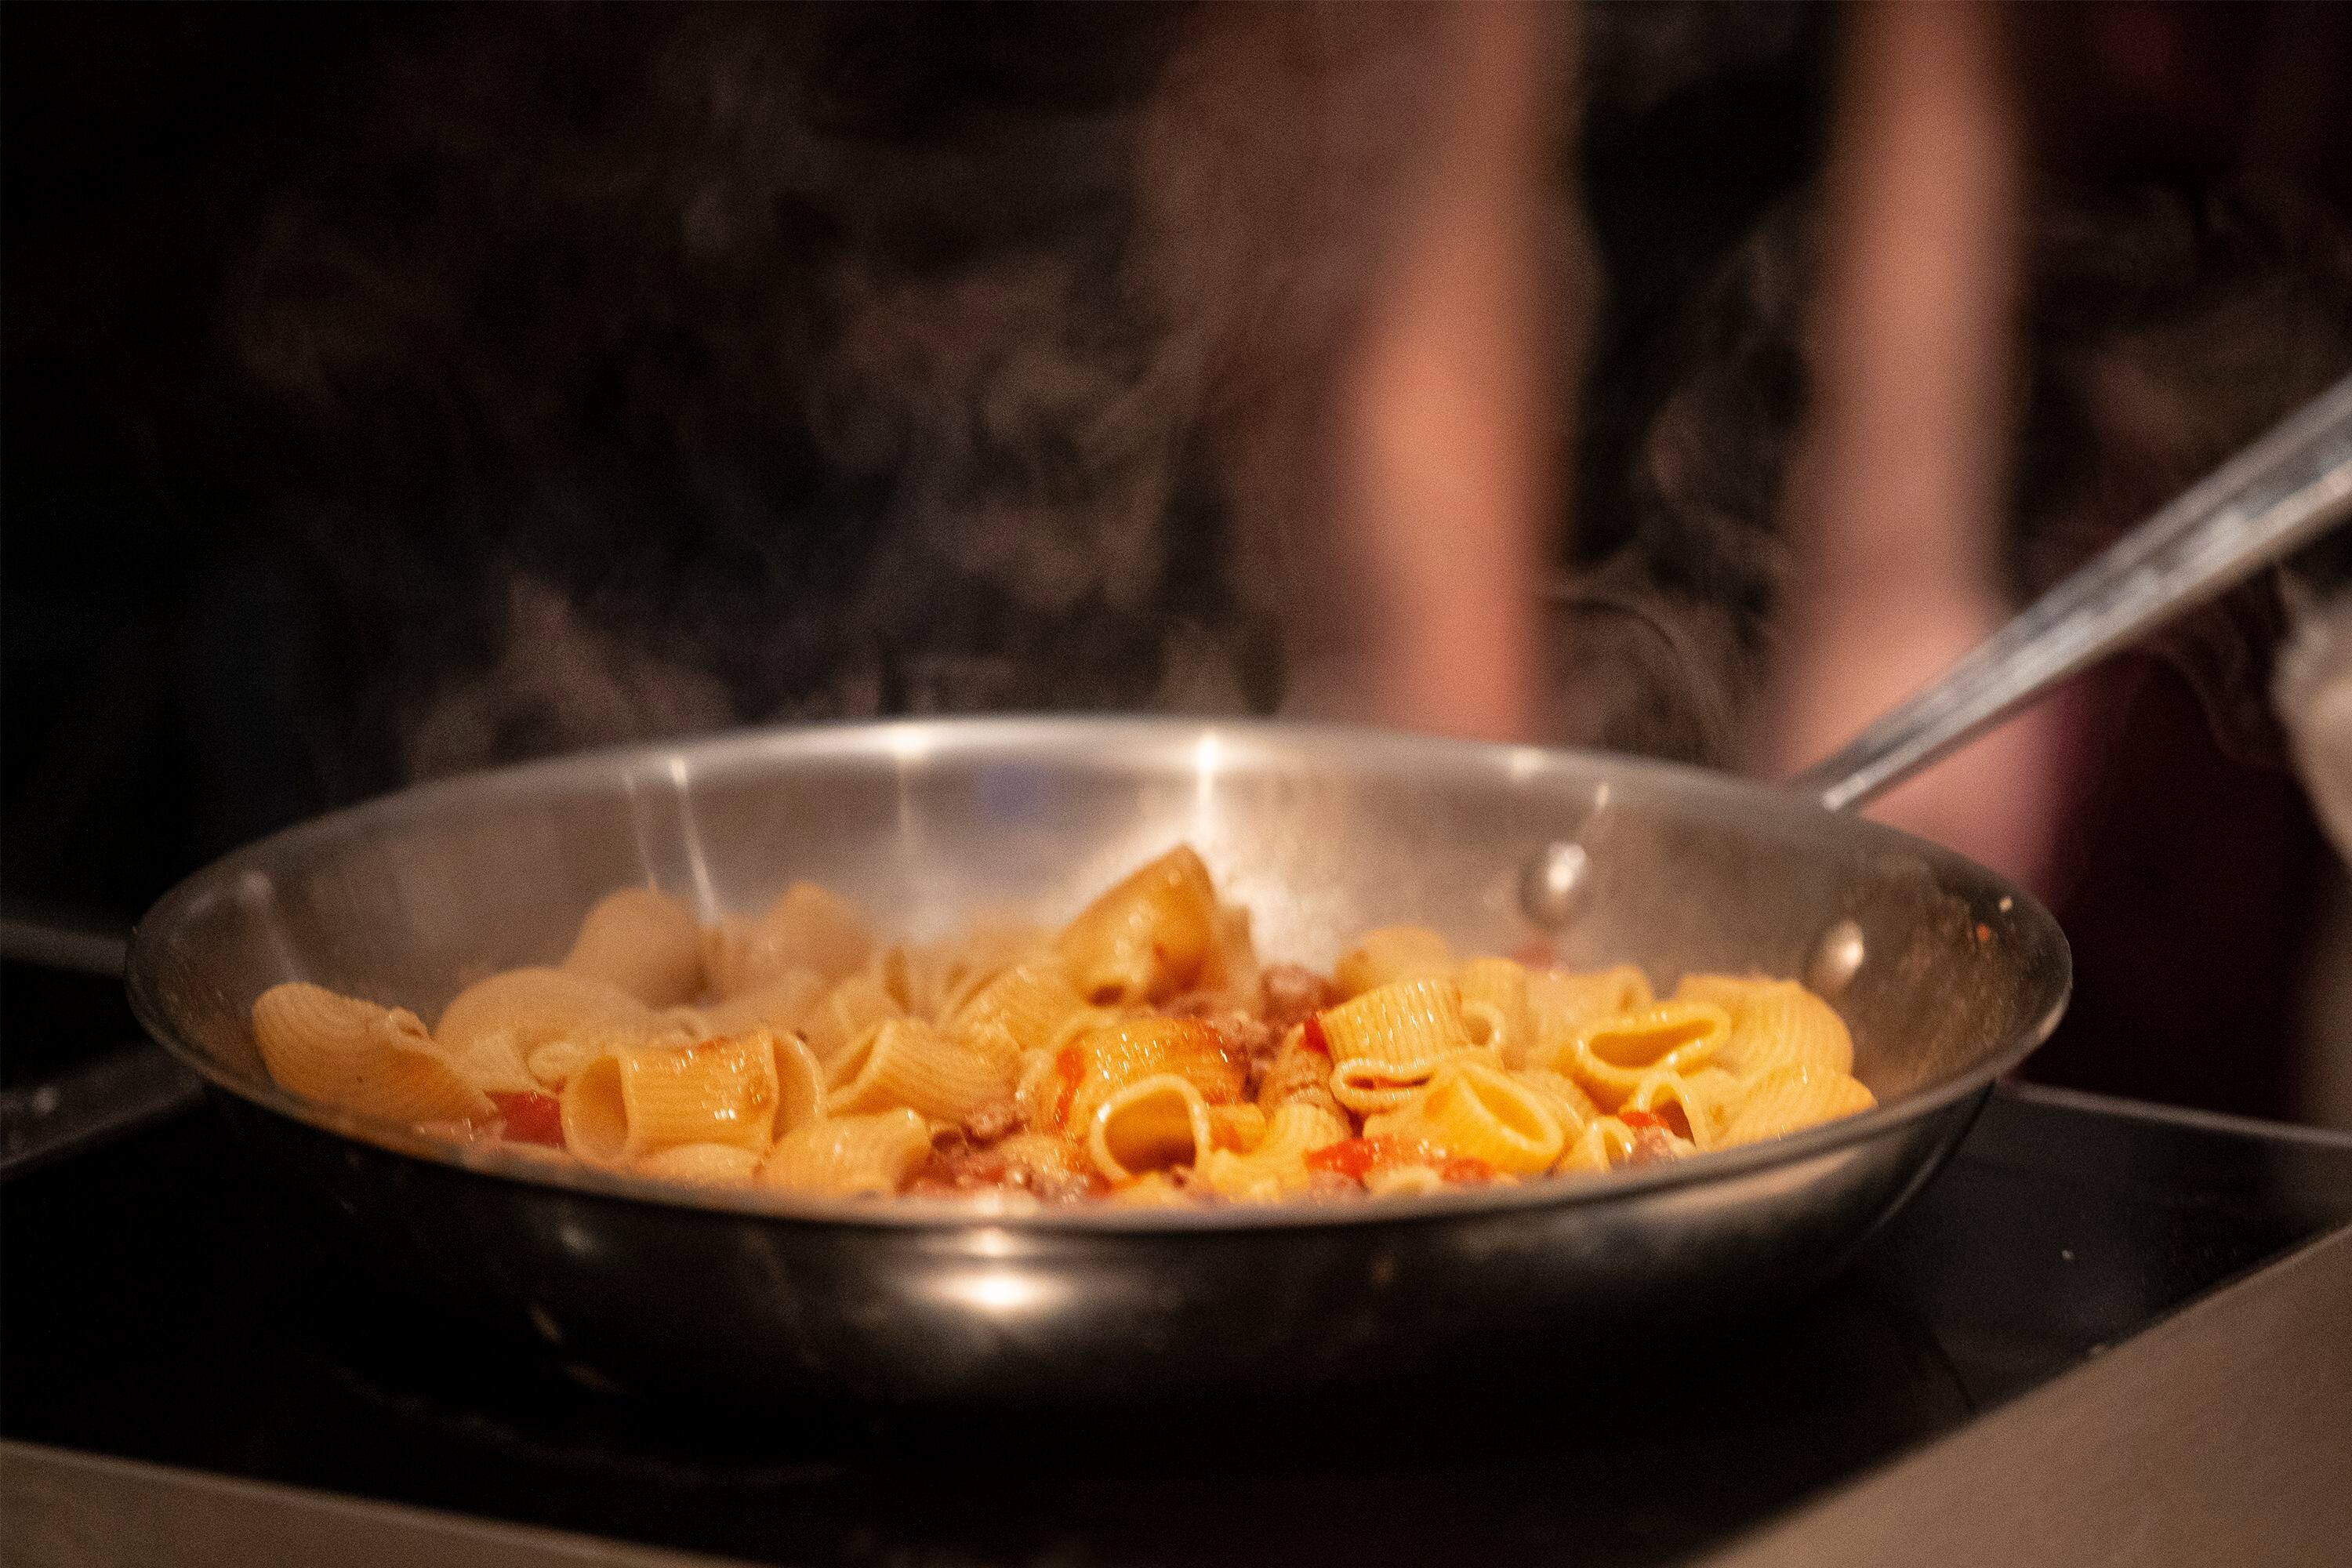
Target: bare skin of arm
(1897,506)
(1359,218)
(1446,490)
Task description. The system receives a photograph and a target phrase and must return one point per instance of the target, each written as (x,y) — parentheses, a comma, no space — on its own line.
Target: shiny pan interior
(1946,974)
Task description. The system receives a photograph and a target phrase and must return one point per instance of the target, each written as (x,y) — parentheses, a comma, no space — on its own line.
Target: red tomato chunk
(530,1117)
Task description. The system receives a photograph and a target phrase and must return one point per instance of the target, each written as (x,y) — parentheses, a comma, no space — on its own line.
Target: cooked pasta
(1495,1007)
(643,1098)
(905,1061)
(807,927)
(375,1060)
(1474,1111)
(1390,954)
(530,1027)
(1144,1054)
(1610,1056)
(850,1156)
(643,941)
(1147,938)
(1018,1009)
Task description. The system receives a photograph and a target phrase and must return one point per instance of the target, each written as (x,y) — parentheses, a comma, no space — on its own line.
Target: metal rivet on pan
(1835,959)
(1556,884)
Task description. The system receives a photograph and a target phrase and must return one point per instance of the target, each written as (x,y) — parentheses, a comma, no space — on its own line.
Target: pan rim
(1036,737)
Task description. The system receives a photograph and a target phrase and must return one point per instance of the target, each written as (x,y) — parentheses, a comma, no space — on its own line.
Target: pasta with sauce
(1141,1054)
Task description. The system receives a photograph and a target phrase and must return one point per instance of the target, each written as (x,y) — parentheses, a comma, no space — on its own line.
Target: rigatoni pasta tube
(1232,969)
(806,928)
(849,1009)
(1606,1143)
(1495,1007)
(539,1024)
(1475,1111)
(1276,1168)
(1152,1124)
(1562,1001)
(1146,938)
(1106,1058)
(1609,1055)
(623,1106)
(643,941)
(1390,954)
(1387,1042)
(1696,1105)
(850,1156)
(1019,1010)
(800,1083)
(1787,1098)
(904,1061)
(1774,1023)
(375,1060)
(932,980)
(1569,1103)
(784,1003)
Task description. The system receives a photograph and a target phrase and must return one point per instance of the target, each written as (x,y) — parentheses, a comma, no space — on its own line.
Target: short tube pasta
(643,941)
(1495,1007)
(1152,1124)
(530,1029)
(1142,1055)
(703,1165)
(906,1062)
(1391,954)
(1147,938)
(1774,1023)
(1474,1111)
(848,1011)
(850,1156)
(1276,1168)
(378,1061)
(1386,1043)
(634,1102)
(1608,1057)
(1792,1098)
(807,927)
(1018,1010)
(1106,1058)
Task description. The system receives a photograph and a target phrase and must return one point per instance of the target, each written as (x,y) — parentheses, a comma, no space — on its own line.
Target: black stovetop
(154,1310)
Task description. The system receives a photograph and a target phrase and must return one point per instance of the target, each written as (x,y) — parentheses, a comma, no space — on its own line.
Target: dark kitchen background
(392,391)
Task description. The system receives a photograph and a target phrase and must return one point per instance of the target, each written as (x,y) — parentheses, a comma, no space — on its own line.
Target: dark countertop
(155,1312)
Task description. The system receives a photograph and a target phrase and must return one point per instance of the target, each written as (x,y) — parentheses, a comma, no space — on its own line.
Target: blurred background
(386,392)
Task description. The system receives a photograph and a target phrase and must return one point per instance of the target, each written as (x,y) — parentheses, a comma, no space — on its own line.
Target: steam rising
(769,364)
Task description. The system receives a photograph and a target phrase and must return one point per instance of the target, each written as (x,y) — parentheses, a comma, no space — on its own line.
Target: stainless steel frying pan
(1948,976)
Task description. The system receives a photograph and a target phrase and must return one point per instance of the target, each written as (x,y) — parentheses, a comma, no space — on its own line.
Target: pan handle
(2280,493)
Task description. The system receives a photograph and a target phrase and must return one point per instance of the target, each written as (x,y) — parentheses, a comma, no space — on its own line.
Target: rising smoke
(635,372)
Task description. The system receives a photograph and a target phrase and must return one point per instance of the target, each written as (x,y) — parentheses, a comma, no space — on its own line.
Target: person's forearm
(1449,394)
(1898,503)
(1915,331)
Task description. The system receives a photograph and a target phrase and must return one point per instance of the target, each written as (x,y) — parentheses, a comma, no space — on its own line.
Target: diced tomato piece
(1310,1036)
(1353,1158)
(530,1117)
(1356,1158)
(1640,1119)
